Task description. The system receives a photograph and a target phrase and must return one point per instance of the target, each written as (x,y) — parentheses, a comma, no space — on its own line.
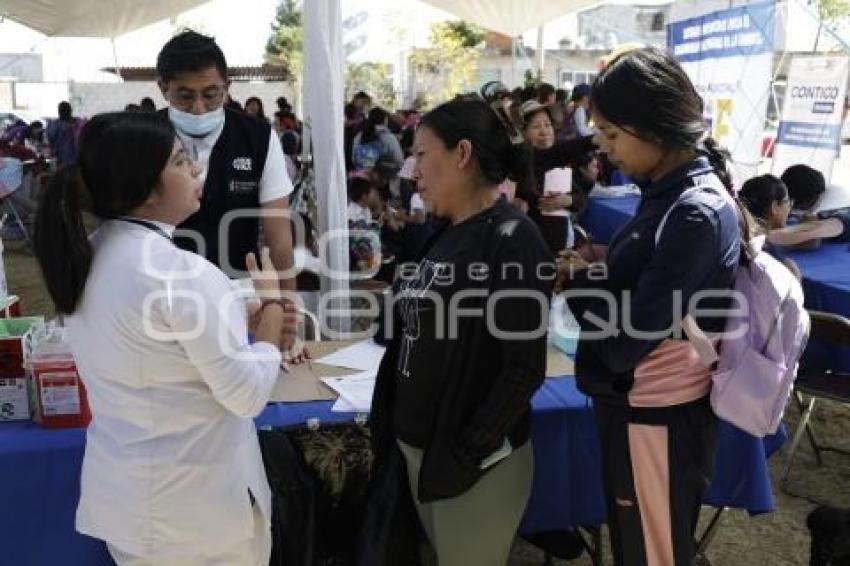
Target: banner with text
(728,55)
(812,113)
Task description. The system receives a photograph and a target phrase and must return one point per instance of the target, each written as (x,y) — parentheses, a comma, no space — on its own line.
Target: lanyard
(149,225)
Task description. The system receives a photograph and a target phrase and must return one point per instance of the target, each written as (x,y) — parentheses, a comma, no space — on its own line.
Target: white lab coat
(173,383)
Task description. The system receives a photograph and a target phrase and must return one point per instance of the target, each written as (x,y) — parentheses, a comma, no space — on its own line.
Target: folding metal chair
(834,330)
(11,179)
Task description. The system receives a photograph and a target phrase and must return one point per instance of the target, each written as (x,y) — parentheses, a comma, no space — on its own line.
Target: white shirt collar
(164,226)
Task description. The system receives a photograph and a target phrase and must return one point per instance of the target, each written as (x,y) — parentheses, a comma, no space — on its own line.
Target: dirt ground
(776,539)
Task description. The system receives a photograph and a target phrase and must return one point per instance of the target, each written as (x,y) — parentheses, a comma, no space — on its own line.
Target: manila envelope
(303,382)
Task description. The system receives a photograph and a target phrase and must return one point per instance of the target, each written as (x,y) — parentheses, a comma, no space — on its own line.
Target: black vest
(233,184)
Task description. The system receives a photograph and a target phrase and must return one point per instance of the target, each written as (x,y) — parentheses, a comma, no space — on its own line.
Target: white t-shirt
(275,182)
(357,213)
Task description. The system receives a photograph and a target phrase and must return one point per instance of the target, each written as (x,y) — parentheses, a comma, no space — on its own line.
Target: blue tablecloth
(39,476)
(826,285)
(604,216)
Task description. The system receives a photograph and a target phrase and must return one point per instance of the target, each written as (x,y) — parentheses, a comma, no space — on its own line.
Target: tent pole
(513,62)
(323,93)
(541,55)
(115,59)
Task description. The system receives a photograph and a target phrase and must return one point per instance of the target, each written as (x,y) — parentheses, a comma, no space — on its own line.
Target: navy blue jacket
(698,250)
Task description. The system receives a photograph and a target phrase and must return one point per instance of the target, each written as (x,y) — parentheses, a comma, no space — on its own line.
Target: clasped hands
(267,287)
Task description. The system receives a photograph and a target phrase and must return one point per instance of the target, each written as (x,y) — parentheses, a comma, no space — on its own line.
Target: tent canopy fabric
(91,18)
(510,17)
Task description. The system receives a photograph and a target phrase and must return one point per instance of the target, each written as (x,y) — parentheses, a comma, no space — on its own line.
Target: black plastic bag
(293,501)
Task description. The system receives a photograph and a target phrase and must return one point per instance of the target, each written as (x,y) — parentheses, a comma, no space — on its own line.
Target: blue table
(604,216)
(39,477)
(826,286)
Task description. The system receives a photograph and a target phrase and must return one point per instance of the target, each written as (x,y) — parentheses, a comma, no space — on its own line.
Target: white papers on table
(362,356)
(558,181)
(355,392)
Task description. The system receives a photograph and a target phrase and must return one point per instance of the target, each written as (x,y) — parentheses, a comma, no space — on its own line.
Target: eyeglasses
(211,97)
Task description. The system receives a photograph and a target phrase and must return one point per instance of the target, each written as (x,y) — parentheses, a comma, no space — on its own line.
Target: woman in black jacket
(454,388)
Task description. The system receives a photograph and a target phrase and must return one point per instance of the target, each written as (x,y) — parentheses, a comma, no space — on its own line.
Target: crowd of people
(482,195)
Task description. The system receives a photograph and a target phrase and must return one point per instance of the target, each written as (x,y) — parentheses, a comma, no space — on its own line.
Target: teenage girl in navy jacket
(649,387)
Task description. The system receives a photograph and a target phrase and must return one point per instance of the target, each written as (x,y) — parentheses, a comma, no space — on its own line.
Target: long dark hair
(121,157)
(376,117)
(662,105)
(474,120)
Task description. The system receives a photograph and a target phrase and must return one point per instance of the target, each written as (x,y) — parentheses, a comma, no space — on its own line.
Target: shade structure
(510,17)
(91,18)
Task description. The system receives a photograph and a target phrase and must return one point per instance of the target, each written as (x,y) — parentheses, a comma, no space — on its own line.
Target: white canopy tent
(510,17)
(91,18)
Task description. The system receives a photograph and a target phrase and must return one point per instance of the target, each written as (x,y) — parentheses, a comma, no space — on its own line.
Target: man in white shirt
(244,170)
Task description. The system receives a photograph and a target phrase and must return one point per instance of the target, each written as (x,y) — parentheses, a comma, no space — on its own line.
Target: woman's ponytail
(61,243)
(718,157)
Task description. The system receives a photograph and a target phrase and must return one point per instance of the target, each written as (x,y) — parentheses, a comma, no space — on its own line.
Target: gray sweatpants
(478,527)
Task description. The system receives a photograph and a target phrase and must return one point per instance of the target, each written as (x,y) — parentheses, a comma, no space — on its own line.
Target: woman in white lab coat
(172,473)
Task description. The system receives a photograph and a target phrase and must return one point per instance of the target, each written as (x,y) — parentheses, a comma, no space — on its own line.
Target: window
(647,21)
(577,77)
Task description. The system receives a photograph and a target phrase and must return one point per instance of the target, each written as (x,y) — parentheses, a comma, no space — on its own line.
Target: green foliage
(458,32)
(450,65)
(831,11)
(286,43)
(371,77)
(532,78)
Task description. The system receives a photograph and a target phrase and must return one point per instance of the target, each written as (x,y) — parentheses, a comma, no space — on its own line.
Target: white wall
(87,99)
(554,64)
(21,66)
(40,99)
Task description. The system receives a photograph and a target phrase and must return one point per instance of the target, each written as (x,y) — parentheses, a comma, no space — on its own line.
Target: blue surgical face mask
(197,125)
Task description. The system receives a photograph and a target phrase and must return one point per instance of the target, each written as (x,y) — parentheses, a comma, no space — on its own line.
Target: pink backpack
(761,345)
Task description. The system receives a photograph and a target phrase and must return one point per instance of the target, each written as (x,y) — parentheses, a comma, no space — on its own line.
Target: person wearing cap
(548,154)
(493,91)
(576,124)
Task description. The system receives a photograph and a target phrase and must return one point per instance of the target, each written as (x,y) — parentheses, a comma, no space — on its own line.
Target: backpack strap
(702,182)
(676,202)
